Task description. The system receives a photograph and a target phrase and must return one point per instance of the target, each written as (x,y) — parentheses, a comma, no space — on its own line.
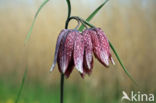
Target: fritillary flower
(101,47)
(75,49)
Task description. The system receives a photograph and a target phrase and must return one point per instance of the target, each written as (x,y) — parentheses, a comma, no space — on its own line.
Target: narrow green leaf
(30,30)
(93,14)
(22,85)
(117,56)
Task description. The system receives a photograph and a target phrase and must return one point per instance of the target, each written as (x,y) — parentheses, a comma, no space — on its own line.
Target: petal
(61,35)
(112,60)
(69,69)
(105,54)
(96,45)
(105,46)
(65,51)
(85,66)
(88,48)
(101,46)
(86,70)
(79,52)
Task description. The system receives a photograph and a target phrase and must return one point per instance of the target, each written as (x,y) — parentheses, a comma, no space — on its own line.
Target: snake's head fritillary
(64,51)
(60,38)
(79,52)
(76,49)
(88,51)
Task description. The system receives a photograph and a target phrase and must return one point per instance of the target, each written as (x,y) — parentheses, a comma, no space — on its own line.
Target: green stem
(22,85)
(62,88)
(62,75)
(69,13)
(79,19)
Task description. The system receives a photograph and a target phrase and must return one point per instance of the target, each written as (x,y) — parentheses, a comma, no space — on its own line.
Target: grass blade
(30,30)
(22,85)
(93,14)
(117,56)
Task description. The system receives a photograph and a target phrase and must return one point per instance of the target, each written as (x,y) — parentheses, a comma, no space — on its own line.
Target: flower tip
(63,70)
(66,76)
(52,67)
(112,61)
(89,67)
(80,69)
(107,63)
(82,75)
(105,59)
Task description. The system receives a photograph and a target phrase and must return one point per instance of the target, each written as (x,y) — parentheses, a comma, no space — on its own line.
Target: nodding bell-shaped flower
(69,52)
(101,47)
(76,49)
(88,52)
(65,52)
(78,52)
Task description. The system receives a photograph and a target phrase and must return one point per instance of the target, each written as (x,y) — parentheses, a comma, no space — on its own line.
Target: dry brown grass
(130,26)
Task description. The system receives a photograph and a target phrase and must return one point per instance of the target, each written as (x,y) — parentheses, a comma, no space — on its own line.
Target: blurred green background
(129,24)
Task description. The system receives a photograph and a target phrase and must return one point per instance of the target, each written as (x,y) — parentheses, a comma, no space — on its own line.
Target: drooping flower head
(101,47)
(76,49)
(88,51)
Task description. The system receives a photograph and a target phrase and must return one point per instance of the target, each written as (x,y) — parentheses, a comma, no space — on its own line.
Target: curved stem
(77,25)
(70,18)
(79,19)
(69,13)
